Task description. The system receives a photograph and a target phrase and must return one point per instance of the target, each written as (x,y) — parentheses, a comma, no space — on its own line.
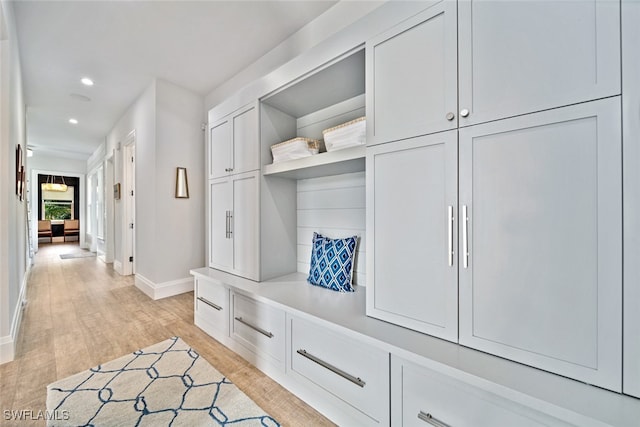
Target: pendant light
(51,185)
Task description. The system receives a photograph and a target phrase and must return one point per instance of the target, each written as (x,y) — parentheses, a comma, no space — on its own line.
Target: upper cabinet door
(412,275)
(412,77)
(220,140)
(246,156)
(234,146)
(542,281)
(519,57)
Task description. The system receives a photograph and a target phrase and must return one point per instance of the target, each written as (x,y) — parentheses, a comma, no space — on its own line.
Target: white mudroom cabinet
(534,272)
(497,225)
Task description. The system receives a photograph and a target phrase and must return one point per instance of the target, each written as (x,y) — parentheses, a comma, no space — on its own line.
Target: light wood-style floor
(81,313)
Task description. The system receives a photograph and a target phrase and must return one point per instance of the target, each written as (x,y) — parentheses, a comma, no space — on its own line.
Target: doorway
(129,206)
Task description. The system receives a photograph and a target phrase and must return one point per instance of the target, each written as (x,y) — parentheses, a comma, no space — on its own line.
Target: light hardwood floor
(81,313)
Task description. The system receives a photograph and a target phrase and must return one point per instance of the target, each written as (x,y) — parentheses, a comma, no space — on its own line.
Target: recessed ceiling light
(87,81)
(73,121)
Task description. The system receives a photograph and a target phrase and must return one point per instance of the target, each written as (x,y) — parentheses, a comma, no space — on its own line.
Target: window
(58,205)
(54,209)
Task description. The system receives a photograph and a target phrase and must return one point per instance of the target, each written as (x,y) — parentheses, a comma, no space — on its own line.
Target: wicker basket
(346,135)
(296,148)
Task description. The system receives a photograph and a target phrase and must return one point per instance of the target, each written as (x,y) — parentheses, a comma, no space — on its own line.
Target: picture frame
(116,191)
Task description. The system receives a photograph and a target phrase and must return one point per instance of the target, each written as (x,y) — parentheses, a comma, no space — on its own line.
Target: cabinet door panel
(411,77)
(543,285)
(518,57)
(219,149)
(410,186)
(221,245)
(245,141)
(244,225)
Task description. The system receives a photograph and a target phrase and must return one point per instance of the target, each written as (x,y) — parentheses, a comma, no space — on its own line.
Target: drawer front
(353,371)
(212,305)
(424,397)
(258,327)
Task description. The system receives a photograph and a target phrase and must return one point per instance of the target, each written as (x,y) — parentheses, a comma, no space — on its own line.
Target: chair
(71,228)
(44,229)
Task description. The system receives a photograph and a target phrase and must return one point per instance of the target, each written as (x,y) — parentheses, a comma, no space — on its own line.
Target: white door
(411,234)
(519,57)
(244,224)
(542,281)
(412,77)
(220,239)
(127,194)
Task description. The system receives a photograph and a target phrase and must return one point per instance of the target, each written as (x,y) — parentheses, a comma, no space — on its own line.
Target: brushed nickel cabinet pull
(226,224)
(343,374)
(254,327)
(210,304)
(465,238)
(230,224)
(428,418)
(450,235)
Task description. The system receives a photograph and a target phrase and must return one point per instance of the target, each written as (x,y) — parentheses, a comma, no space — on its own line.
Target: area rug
(86,254)
(166,384)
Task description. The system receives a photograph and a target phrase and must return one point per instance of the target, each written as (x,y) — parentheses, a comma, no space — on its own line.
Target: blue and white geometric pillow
(332,262)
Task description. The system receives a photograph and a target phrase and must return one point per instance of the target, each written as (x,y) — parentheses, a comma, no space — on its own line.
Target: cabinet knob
(450,116)
(464,112)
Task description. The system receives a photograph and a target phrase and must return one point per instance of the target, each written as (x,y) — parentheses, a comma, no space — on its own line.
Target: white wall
(333,206)
(140,117)
(180,222)
(337,18)
(58,164)
(14,258)
(169,232)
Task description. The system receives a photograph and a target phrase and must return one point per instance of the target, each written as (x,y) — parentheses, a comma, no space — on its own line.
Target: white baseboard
(117,266)
(8,343)
(163,290)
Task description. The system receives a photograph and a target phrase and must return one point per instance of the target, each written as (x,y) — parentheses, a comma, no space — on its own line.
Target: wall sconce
(182,185)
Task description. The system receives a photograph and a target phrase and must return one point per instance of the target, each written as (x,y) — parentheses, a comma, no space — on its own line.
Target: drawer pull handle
(255,328)
(343,374)
(210,304)
(429,419)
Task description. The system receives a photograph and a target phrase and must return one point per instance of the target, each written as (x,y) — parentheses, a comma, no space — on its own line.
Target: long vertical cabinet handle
(429,419)
(226,225)
(230,224)
(450,235)
(465,238)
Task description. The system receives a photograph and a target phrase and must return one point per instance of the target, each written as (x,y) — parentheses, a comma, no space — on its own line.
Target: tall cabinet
(534,223)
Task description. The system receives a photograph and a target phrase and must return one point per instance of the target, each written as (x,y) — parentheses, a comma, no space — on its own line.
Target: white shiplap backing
(335,207)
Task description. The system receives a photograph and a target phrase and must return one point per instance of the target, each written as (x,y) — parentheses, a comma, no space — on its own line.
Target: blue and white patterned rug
(166,384)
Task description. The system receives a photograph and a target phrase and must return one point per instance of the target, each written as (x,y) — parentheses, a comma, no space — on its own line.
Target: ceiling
(123,45)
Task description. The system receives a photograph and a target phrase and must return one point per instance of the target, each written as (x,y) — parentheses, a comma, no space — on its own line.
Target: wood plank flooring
(81,313)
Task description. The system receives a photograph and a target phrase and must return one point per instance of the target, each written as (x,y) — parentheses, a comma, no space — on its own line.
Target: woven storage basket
(346,135)
(296,148)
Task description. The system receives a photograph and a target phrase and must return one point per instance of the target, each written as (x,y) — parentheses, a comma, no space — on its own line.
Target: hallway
(81,313)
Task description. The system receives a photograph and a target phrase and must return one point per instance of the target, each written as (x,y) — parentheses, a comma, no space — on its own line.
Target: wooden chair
(44,229)
(71,228)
